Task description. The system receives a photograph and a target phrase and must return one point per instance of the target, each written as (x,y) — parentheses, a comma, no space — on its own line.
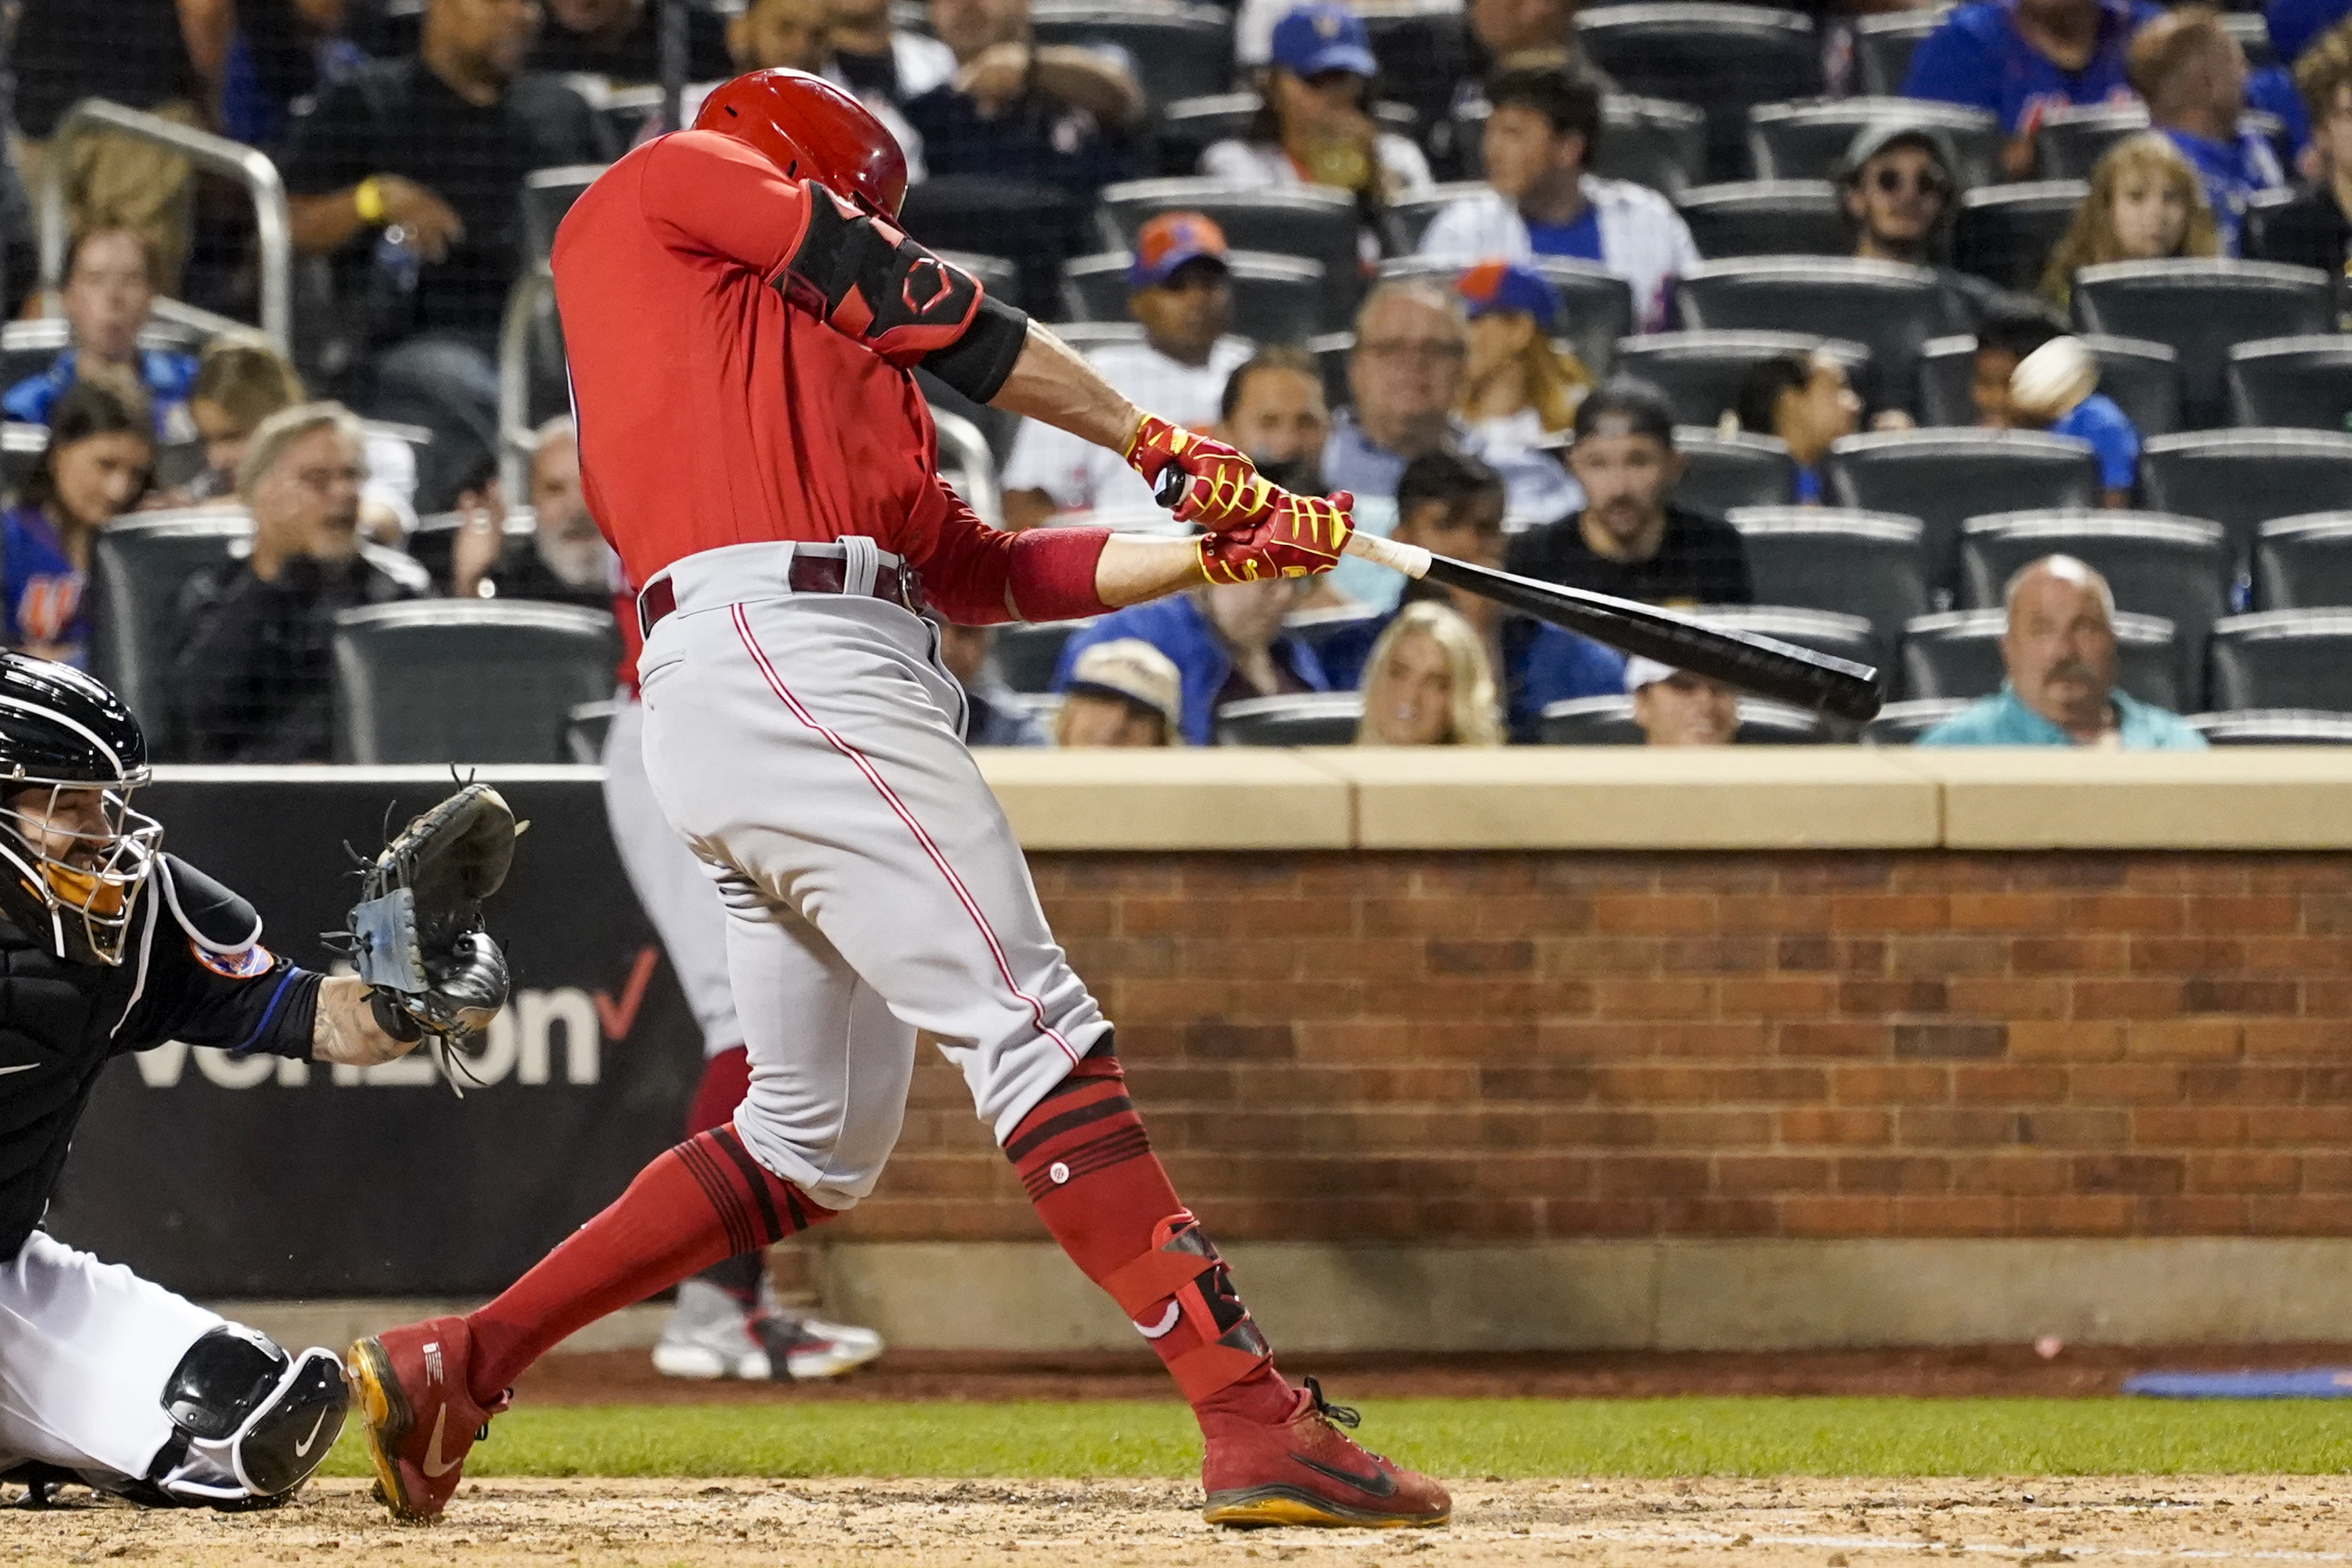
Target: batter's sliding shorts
(808,747)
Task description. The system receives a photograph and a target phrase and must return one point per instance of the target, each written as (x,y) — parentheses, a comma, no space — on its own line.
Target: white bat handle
(1409,559)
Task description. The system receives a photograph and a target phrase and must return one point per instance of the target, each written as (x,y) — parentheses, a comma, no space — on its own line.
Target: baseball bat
(1764,667)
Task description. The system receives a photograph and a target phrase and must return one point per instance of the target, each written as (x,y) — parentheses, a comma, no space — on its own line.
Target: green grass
(1512,1438)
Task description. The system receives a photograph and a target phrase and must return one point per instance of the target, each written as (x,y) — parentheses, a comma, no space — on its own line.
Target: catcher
(108,945)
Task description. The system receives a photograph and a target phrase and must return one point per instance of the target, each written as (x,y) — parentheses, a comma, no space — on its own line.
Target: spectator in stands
(1453,505)
(1226,641)
(2312,230)
(1805,400)
(797,35)
(1316,126)
(238,385)
(565,561)
(2002,345)
(2060,655)
(1123,692)
(1056,115)
(429,226)
(283,54)
(1180,288)
(992,713)
(1540,201)
(1628,541)
(160,56)
(620,40)
(2145,202)
(2021,58)
(251,679)
(2193,75)
(110,282)
(1517,388)
(1676,708)
(1273,409)
(97,464)
(2295,27)
(882,61)
(1899,189)
(1428,683)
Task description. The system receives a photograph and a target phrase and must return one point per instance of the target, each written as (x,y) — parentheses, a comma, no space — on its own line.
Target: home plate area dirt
(1768,1524)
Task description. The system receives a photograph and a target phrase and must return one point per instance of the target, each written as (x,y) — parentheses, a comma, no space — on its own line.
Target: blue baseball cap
(1504,286)
(1321,37)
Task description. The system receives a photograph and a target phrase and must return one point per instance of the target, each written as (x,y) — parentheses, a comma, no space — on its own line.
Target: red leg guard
(704,1200)
(726,1079)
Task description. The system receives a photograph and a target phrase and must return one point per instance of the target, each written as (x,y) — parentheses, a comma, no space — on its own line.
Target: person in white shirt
(1540,201)
(883,61)
(1182,294)
(1317,127)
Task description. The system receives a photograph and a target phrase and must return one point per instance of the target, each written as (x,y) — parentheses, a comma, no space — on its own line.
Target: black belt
(808,575)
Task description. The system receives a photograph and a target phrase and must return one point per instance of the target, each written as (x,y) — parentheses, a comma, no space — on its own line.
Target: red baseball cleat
(421,1420)
(1305,1470)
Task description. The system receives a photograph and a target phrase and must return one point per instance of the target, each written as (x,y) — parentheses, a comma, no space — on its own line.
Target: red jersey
(717,407)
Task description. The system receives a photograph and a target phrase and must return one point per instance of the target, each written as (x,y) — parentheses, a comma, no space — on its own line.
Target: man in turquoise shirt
(2059,653)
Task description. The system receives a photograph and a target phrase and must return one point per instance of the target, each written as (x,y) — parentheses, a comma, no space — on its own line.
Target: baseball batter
(742,316)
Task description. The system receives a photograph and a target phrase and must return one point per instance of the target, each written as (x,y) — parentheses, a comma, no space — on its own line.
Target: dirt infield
(1737,1524)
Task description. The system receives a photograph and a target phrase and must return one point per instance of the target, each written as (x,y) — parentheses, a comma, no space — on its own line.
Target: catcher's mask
(73,855)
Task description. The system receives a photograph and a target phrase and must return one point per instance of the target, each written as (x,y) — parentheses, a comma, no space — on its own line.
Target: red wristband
(1051,573)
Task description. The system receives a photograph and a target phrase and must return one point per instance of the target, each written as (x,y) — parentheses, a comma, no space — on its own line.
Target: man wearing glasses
(1900,192)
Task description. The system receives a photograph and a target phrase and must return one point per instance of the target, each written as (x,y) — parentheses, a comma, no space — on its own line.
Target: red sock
(1089,1166)
(704,1200)
(726,1079)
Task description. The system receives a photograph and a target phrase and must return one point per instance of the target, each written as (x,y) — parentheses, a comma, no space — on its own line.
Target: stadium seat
(1175,51)
(2284,658)
(1597,305)
(21,447)
(1033,226)
(969,465)
(2301,382)
(1902,723)
(2303,562)
(2202,307)
(1331,352)
(1306,718)
(1890,309)
(2253,35)
(586,727)
(137,565)
(1957,654)
(1850,562)
(1882,45)
(1945,477)
(1806,140)
(2006,233)
(2139,377)
(546,195)
(1608,722)
(2253,223)
(482,681)
(1721,59)
(2241,479)
(999,426)
(2275,727)
(1765,217)
(1305,221)
(1276,299)
(1701,373)
(1190,126)
(996,275)
(1314,627)
(1721,472)
(1409,217)
(2070,140)
(2176,567)
(1028,652)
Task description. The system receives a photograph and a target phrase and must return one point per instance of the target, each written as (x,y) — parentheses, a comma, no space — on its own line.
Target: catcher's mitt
(417,932)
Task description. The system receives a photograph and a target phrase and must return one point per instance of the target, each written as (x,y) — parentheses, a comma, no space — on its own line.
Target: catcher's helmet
(73,855)
(812,130)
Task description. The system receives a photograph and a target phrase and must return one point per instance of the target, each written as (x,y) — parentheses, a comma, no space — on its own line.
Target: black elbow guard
(977,363)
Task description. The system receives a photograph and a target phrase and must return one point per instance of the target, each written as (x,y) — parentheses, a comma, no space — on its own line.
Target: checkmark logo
(434,1465)
(1379,1483)
(302,1448)
(619,1017)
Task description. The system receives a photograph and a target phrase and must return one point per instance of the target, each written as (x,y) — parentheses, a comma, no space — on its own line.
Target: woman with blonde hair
(2146,204)
(1428,683)
(1516,388)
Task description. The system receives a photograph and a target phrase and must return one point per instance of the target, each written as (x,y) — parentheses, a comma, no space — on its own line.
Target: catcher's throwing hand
(1298,537)
(1223,489)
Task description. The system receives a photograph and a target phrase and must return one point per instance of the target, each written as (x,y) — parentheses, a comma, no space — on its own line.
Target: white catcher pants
(808,748)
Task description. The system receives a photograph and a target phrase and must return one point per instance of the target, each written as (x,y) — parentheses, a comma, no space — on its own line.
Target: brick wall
(1560,1045)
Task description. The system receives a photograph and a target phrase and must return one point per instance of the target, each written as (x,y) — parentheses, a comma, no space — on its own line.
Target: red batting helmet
(812,130)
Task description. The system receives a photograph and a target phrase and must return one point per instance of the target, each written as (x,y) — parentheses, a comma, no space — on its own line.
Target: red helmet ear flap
(812,129)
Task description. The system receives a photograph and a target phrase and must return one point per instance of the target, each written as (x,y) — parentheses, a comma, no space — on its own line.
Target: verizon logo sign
(524,1043)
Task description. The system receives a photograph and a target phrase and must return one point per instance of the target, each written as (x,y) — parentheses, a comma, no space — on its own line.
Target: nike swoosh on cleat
(302,1448)
(435,1465)
(1379,1483)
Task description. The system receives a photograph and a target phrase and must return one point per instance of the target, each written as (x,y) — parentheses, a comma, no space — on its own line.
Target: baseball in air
(2054,378)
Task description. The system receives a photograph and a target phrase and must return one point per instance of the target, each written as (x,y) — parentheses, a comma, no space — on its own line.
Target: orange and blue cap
(1168,242)
(1504,286)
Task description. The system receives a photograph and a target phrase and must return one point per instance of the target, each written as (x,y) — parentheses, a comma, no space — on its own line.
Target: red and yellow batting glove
(1301,536)
(1222,488)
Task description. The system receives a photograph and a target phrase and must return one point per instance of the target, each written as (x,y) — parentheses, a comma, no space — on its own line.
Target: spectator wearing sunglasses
(1899,191)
